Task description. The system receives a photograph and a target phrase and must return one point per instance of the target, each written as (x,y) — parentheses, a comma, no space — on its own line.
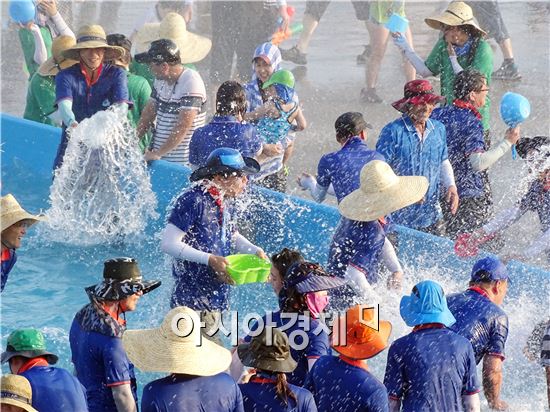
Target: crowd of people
(428,172)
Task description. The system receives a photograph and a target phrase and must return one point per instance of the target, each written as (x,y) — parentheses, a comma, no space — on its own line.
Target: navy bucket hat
(225,160)
(426,304)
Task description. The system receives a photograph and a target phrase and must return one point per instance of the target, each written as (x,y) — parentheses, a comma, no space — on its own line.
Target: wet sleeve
(470,384)
(186,212)
(239,407)
(378,401)
(190,103)
(308,402)
(318,345)
(115,363)
(498,336)
(253,142)
(483,59)
(323,172)
(473,141)
(63,86)
(434,62)
(393,378)
(120,88)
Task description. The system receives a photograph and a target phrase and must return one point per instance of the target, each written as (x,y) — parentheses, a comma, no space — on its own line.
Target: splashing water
(102,192)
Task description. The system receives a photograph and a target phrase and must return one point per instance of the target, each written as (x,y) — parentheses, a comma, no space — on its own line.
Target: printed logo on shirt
(106,103)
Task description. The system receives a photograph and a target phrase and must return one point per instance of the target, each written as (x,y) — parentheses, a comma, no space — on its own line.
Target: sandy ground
(330,85)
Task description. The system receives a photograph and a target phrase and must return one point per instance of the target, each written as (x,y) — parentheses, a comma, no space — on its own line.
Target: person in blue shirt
(195,365)
(201,231)
(360,242)
(343,383)
(268,390)
(226,129)
(15,222)
(53,389)
(432,368)
(99,359)
(468,153)
(413,145)
(536,152)
(302,301)
(480,319)
(91,86)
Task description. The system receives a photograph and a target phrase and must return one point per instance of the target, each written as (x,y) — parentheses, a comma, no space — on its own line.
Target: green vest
(40,99)
(27,44)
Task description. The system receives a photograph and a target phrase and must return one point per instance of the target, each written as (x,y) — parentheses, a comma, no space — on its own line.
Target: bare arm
(301,122)
(471,403)
(148,116)
(124,400)
(395,405)
(492,381)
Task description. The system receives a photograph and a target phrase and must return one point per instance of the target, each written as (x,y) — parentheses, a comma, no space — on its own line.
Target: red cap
(417,92)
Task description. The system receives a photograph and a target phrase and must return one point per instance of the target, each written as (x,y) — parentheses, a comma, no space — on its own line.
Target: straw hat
(16,391)
(193,47)
(268,351)
(92,37)
(458,13)
(364,338)
(176,347)
(57,62)
(381,192)
(11,213)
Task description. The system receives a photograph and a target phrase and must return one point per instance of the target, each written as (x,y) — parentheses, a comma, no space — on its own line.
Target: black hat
(350,124)
(225,160)
(160,51)
(120,40)
(527,144)
(121,278)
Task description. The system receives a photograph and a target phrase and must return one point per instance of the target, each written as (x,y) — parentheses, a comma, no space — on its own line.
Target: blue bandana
(465,48)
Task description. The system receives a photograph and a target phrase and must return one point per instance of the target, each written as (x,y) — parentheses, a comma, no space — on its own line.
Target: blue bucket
(514,109)
(22,11)
(397,24)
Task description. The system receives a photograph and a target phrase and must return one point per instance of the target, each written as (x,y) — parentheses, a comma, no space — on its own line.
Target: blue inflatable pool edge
(300,223)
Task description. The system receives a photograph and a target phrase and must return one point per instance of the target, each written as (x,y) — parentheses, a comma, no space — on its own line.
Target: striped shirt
(187,93)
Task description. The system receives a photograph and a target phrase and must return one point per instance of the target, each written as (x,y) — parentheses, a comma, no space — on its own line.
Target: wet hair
(230,99)
(467,81)
(284,259)
(282,388)
(290,300)
(349,124)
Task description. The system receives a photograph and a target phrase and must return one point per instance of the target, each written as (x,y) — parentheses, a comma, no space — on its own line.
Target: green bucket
(248,268)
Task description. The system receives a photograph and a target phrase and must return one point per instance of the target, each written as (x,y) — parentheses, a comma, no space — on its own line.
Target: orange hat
(364,337)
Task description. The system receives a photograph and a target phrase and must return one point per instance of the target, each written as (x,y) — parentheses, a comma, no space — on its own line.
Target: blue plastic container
(514,109)
(22,11)
(397,24)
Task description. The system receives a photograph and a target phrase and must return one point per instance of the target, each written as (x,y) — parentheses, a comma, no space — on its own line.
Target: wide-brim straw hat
(58,62)
(12,212)
(355,334)
(17,391)
(458,13)
(381,192)
(93,37)
(176,347)
(193,48)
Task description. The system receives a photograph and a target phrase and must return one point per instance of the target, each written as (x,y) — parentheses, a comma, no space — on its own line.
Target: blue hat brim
(413,318)
(251,167)
(318,283)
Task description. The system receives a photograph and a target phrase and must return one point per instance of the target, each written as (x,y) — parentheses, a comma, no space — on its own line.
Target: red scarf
(217,196)
(480,291)
(88,79)
(429,326)
(258,379)
(31,363)
(358,363)
(115,316)
(466,105)
(6,254)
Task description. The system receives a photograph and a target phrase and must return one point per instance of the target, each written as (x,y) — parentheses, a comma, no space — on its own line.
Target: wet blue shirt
(464,138)
(218,393)
(430,369)
(537,199)
(338,386)
(408,156)
(55,389)
(261,395)
(480,321)
(7,266)
(100,363)
(209,230)
(223,131)
(308,339)
(343,167)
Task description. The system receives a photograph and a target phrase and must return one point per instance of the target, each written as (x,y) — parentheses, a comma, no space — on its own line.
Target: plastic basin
(514,109)
(397,24)
(248,268)
(22,11)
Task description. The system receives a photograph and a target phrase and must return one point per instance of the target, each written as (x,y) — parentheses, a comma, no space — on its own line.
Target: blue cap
(426,304)
(489,269)
(225,160)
